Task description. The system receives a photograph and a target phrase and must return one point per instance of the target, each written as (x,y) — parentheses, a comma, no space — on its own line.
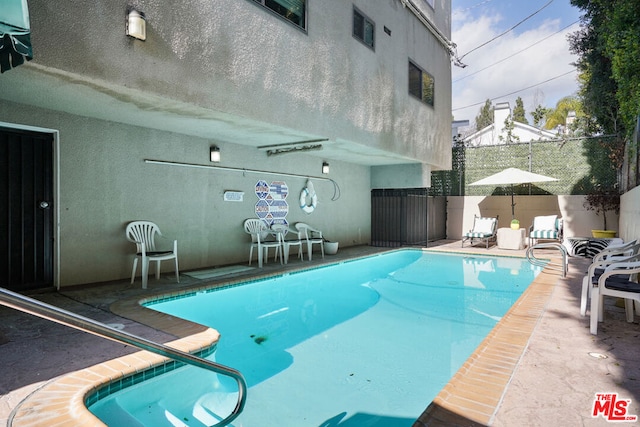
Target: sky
(531,61)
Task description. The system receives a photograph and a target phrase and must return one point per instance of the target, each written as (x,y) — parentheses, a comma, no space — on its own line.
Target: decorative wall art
(272,206)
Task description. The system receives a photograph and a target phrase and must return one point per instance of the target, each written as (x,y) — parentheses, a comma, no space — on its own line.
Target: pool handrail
(76,321)
(546,263)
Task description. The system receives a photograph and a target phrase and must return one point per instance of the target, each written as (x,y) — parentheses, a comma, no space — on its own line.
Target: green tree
(558,116)
(509,137)
(540,115)
(485,116)
(519,114)
(608,47)
(623,47)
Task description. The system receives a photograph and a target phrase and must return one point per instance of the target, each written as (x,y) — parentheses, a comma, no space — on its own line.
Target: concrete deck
(537,368)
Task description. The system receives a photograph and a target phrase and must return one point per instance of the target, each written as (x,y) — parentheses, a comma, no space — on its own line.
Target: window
(363,28)
(294,11)
(421,84)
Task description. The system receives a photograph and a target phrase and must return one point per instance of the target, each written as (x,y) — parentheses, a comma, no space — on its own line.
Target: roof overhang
(56,90)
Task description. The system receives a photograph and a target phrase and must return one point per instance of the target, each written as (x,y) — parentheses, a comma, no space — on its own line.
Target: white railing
(563,267)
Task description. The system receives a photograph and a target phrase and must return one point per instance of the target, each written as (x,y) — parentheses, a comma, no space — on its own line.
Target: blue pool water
(363,343)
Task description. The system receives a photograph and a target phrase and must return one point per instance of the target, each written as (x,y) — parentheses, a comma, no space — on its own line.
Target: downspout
(444,41)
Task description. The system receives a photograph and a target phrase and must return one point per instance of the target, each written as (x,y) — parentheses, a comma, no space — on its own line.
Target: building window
(363,28)
(294,11)
(421,84)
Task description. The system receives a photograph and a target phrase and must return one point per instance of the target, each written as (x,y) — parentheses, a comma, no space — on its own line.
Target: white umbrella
(510,177)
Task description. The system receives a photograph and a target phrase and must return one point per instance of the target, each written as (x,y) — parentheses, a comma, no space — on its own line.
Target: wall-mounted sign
(233,196)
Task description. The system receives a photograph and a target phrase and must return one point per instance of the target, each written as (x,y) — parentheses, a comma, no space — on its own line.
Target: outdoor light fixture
(325,167)
(214,152)
(136,25)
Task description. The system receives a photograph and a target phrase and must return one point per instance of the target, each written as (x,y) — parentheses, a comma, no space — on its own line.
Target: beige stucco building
(278,92)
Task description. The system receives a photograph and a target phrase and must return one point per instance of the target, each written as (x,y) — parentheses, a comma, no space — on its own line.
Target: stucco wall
(233,56)
(226,72)
(104,184)
(630,215)
(578,222)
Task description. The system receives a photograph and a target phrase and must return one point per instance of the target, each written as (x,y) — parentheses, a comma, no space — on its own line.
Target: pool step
(116,415)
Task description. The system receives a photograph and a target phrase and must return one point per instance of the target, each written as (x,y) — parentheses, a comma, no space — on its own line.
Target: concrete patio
(554,382)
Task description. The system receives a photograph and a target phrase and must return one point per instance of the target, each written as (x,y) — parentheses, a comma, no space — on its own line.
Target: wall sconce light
(214,152)
(136,25)
(325,167)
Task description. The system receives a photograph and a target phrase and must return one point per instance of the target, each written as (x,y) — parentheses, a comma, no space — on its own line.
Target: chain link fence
(579,165)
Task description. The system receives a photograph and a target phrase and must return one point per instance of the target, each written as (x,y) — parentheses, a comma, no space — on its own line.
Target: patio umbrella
(15,34)
(510,177)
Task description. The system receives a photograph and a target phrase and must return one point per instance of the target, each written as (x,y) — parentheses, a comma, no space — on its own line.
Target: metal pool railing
(67,318)
(531,257)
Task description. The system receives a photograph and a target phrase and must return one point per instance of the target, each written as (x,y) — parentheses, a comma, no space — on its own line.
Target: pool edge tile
(61,401)
(456,404)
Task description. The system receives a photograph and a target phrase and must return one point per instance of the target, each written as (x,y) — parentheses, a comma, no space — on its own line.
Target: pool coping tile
(61,401)
(458,403)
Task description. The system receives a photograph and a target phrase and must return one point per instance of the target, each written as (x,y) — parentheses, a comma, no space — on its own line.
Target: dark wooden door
(26,209)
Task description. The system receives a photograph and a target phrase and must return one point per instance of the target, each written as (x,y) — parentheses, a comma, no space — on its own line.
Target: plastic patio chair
(282,232)
(312,236)
(143,234)
(611,283)
(627,252)
(259,233)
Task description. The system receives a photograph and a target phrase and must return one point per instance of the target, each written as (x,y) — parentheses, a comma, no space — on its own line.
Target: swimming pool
(367,342)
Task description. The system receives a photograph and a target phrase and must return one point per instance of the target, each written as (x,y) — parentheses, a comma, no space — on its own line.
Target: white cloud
(533,62)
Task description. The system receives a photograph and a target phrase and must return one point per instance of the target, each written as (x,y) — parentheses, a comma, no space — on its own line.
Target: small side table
(511,239)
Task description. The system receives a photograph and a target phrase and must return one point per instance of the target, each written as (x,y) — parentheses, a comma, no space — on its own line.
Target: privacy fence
(413,217)
(406,217)
(579,165)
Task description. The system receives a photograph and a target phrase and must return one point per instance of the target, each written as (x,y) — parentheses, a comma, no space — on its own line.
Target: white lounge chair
(484,229)
(547,227)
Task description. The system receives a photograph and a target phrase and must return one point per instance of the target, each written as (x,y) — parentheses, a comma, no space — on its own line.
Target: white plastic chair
(143,234)
(626,252)
(620,287)
(312,236)
(259,233)
(282,232)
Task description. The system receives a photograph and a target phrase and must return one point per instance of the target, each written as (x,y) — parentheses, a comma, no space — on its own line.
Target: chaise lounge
(547,227)
(484,229)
